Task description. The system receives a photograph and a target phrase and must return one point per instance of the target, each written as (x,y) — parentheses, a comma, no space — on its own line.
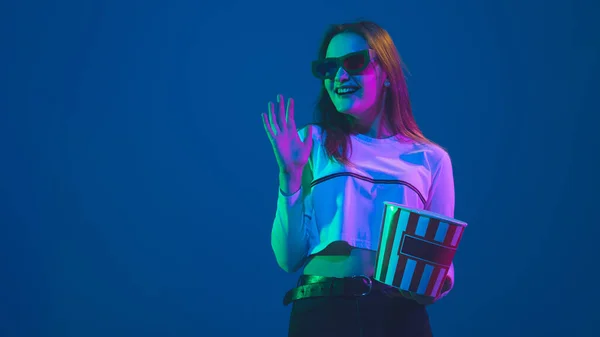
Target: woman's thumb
(308,137)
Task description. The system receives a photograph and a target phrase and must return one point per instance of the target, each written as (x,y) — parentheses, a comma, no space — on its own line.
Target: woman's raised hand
(290,151)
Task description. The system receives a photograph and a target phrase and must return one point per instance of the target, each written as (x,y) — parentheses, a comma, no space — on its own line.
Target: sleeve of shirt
(441,201)
(294,229)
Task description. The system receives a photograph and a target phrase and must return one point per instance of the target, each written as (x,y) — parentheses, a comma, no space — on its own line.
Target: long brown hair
(398,114)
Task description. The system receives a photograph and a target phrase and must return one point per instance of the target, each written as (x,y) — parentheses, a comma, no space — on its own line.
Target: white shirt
(346,202)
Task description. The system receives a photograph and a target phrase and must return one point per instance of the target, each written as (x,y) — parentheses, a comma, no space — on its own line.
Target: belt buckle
(369,283)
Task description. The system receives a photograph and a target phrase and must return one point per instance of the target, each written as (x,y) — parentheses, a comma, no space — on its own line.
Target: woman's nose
(341,75)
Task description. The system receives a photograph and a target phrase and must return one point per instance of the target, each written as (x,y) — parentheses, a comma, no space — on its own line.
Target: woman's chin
(351,112)
(347,109)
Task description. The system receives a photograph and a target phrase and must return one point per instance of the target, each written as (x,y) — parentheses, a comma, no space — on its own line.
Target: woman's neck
(375,126)
(374,129)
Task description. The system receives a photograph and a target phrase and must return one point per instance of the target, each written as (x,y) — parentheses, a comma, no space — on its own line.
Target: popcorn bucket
(416,249)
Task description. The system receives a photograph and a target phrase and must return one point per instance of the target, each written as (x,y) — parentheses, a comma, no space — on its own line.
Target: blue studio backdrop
(138,188)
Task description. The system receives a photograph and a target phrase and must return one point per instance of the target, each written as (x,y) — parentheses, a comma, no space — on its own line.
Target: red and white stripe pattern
(416,249)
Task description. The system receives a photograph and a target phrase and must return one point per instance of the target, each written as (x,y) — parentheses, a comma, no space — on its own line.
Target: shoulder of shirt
(438,156)
(435,150)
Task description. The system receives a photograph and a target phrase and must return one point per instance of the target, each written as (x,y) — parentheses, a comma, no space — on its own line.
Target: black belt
(321,286)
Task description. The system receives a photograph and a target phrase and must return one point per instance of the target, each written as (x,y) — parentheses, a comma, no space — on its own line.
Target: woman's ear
(386,81)
(383,77)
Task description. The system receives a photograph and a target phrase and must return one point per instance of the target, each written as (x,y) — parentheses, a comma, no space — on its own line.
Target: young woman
(335,175)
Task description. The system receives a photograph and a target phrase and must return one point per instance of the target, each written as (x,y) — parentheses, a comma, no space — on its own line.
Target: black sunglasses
(353,63)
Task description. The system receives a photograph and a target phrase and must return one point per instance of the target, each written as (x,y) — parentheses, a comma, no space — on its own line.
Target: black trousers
(382,313)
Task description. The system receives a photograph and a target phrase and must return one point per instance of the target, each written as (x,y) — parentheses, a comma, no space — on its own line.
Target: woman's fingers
(281,113)
(290,114)
(273,120)
(281,120)
(308,138)
(268,128)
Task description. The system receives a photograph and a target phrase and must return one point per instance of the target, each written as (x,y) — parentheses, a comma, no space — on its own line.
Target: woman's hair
(398,114)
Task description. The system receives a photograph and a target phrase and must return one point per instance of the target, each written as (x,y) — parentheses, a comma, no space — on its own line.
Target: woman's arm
(293,226)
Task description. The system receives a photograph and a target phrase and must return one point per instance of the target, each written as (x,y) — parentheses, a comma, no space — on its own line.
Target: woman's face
(364,89)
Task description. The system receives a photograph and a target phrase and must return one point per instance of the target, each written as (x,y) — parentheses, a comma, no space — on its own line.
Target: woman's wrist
(290,182)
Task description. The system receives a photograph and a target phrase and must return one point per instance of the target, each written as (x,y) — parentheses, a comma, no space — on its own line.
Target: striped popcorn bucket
(416,249)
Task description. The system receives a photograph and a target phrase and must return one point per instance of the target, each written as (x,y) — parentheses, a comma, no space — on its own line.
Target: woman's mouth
(346,90)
